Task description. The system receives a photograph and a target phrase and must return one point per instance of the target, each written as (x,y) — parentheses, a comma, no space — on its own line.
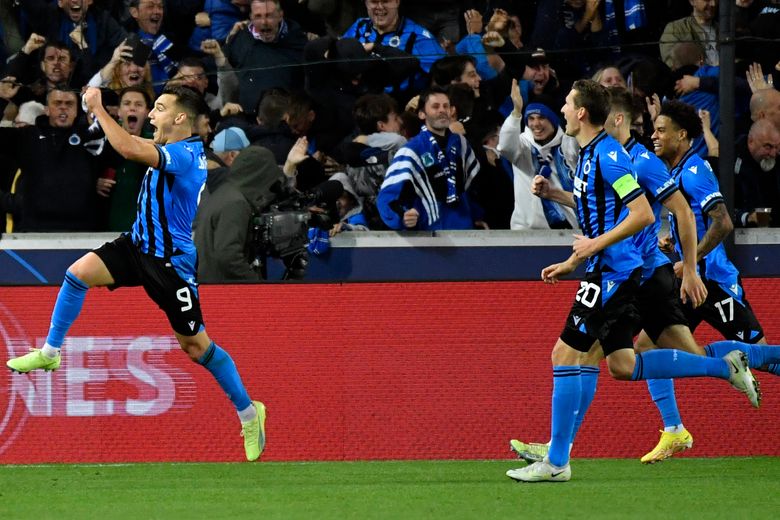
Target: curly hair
(684,116)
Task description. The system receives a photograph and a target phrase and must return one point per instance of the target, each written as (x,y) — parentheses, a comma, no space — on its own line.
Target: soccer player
(662,318)
(611,207)
(662,315)
(158,253)
(726,307)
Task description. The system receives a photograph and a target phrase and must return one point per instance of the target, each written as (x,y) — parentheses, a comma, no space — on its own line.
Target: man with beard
(120,183)
(758,176)
(426,186)
(90,35)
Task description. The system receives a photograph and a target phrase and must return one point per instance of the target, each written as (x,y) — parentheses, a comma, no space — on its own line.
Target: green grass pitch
(733,488)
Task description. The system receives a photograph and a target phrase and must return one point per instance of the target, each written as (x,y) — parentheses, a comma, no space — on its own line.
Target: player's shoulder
(696,166)
(610,152)
(645,160)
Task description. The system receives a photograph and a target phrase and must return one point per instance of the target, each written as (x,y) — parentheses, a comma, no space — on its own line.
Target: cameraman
(222,234)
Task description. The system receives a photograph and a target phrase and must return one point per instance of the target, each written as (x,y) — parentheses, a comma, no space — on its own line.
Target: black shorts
(613,321)
(731,316)
(659,302)
(173,294)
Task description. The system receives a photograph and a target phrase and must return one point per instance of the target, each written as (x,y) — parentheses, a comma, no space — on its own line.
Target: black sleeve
(24,67)
(390,65)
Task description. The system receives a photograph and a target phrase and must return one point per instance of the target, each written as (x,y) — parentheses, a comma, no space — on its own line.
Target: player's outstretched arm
(128,146)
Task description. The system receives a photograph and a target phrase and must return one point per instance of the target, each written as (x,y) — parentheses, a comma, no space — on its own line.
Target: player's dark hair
(371,109)
(621,100)
(592,97)
(684,116)
(188,100)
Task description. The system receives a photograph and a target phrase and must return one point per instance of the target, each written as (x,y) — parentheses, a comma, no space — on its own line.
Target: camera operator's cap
(229,139)
(538,56)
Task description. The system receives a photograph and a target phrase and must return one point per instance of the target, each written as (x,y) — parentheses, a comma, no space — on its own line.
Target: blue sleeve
(350,33)
(427,50)
(702,187)
(388,205)
(175,158)
(654,178)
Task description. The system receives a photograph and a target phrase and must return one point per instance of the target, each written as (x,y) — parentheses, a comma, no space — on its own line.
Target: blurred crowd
(332,89)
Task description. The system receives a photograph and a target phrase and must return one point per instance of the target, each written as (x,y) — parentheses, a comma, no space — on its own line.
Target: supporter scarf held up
(447,165)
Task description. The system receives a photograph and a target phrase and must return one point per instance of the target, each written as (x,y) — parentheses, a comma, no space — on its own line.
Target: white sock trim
(248,414)
(49,351)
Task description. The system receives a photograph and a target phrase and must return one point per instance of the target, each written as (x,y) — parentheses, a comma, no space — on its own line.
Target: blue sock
(589,379)
(222,367)
(667,364)
(565,400)
(773,368)
(662,392)
(758,355)
(66,309)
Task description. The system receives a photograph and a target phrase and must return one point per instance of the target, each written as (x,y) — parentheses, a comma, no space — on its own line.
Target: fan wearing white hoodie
(541,149)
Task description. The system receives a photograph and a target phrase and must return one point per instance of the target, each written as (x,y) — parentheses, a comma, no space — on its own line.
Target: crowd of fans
(331,88)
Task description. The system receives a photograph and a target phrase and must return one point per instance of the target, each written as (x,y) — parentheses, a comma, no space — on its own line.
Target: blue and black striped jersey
(604,183)
(168,200)
(700,187)
(658,185)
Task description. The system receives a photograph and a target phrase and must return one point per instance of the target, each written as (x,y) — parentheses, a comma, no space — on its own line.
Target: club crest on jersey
(586,167)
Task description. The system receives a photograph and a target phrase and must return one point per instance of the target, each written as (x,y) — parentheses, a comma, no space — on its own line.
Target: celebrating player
(158,253)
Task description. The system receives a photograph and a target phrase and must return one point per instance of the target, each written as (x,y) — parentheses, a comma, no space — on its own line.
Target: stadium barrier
(446,370)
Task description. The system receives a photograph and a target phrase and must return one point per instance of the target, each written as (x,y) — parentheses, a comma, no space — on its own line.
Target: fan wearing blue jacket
(426,186)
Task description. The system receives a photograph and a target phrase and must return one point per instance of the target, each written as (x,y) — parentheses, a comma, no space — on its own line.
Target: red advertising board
(355,371)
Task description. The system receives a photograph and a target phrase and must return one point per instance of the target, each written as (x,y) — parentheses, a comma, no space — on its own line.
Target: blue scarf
(447,164)
(634,17)
(556,218)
